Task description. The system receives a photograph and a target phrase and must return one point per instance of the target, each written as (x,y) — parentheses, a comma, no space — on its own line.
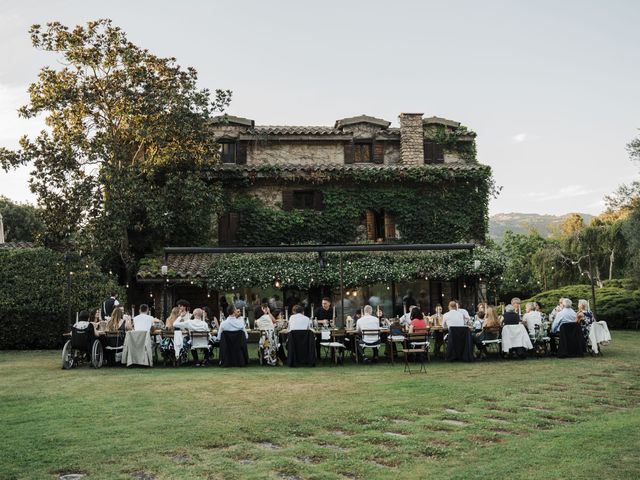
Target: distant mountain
(524,222)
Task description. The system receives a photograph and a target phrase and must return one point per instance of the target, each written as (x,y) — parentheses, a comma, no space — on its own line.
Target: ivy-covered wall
(426,208)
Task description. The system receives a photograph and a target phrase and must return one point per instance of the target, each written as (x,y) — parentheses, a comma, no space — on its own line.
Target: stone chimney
(411,139)
(1,230)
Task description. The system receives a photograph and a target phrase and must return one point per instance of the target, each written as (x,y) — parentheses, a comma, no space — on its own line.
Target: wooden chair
(330,344)
(416,343)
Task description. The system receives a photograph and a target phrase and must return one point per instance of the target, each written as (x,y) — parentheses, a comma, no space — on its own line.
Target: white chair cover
(514,336)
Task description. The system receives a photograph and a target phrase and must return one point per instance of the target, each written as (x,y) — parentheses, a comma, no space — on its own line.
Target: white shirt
(453,318)
(368,322)
(405,319)
(465,314)
(143,322)
(232,324)
(299,321)
(196,325)
(264,323)
(532,319)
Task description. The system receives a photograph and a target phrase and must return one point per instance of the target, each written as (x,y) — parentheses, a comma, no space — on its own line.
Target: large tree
(119,169)
(21,221)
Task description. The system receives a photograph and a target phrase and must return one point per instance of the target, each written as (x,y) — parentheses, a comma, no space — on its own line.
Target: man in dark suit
(108,305)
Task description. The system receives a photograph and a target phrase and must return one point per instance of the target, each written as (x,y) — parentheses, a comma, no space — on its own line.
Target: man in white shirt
(531,319)
(143,321)
(368,322)
(453,318)
(299,321)
(233,323)
(464,312)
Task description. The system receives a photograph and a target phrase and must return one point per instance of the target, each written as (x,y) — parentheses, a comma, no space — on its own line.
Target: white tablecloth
(598,333)
(514,336)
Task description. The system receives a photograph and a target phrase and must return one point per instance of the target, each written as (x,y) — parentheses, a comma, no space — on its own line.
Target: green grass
(533,419)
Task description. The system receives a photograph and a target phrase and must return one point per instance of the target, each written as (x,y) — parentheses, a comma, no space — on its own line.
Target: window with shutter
(433,153)
(371,225)
(378,152)
(241,153)
(389,226)
(228,226)
(287,200)
(228,152)
(363,152)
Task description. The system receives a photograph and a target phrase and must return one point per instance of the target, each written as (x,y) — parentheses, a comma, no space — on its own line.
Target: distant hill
(524,222)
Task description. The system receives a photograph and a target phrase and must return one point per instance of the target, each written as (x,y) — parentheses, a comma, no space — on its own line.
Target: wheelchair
(83,346)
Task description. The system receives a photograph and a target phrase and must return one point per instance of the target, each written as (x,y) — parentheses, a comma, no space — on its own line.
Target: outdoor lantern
(164,270)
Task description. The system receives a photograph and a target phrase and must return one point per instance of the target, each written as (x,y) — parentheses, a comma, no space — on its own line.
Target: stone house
(360,180)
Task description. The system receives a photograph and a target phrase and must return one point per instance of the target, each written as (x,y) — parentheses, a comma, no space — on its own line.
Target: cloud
(524,137)
(13,127)
(569,191)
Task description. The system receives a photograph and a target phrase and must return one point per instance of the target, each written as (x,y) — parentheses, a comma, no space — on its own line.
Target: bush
(613,305)
(35,297)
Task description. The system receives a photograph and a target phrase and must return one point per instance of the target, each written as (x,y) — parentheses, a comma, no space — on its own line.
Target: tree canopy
(127,134)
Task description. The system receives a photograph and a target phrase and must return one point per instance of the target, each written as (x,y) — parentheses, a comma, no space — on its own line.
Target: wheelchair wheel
(67,356)
(96,354)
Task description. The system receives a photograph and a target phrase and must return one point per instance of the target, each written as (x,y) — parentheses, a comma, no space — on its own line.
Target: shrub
(35,296)
(613,305)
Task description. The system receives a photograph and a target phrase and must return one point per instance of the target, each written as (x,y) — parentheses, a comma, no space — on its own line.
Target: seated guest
(173,316)
(143,321)
(118,322)
(478,320)
(368,322)
(531,319)
(210,318)
(196,324)
(510,317)
(515,303)
(257,311)
(556,310)
(405,319)
(437,318)
(417,320)
(266,321)
(183,310)
(566,315)
(490,330)
(299,321)
(233,323)
(453,318)
(324,313)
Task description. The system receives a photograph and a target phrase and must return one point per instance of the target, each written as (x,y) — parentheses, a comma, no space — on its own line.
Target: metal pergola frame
(374,247)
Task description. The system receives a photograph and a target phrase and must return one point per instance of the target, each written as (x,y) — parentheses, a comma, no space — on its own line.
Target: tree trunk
(611,260)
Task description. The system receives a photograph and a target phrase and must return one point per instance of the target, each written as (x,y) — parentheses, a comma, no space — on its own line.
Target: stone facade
(411,139)
(295,153)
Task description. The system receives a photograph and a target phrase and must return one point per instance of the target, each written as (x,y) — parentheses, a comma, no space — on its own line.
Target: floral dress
(585,325)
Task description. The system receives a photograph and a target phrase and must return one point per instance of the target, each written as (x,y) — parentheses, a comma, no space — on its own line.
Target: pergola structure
(320,249)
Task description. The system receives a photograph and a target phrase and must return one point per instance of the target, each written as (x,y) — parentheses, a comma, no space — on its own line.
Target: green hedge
(35,297)
(613,305)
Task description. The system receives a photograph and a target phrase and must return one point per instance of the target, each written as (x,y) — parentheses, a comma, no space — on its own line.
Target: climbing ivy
(451,141)
(303,270)
(436,212)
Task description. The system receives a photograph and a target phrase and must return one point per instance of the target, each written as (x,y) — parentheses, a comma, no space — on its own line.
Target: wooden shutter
(234,226)
(371,225)
(378,152)
(349,154)
(223,229)
(438,153)
(287,200)
(429,152)
(389,225)
(241,153)
(318,203)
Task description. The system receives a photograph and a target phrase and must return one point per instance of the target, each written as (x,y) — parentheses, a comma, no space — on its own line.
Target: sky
(550,87)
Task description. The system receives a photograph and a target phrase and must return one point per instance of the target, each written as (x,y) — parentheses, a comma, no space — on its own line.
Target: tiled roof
(8,245)
(341,167)
(182,266)
(294,130)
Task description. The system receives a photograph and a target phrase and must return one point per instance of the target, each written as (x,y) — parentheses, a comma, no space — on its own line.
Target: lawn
(533,419)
